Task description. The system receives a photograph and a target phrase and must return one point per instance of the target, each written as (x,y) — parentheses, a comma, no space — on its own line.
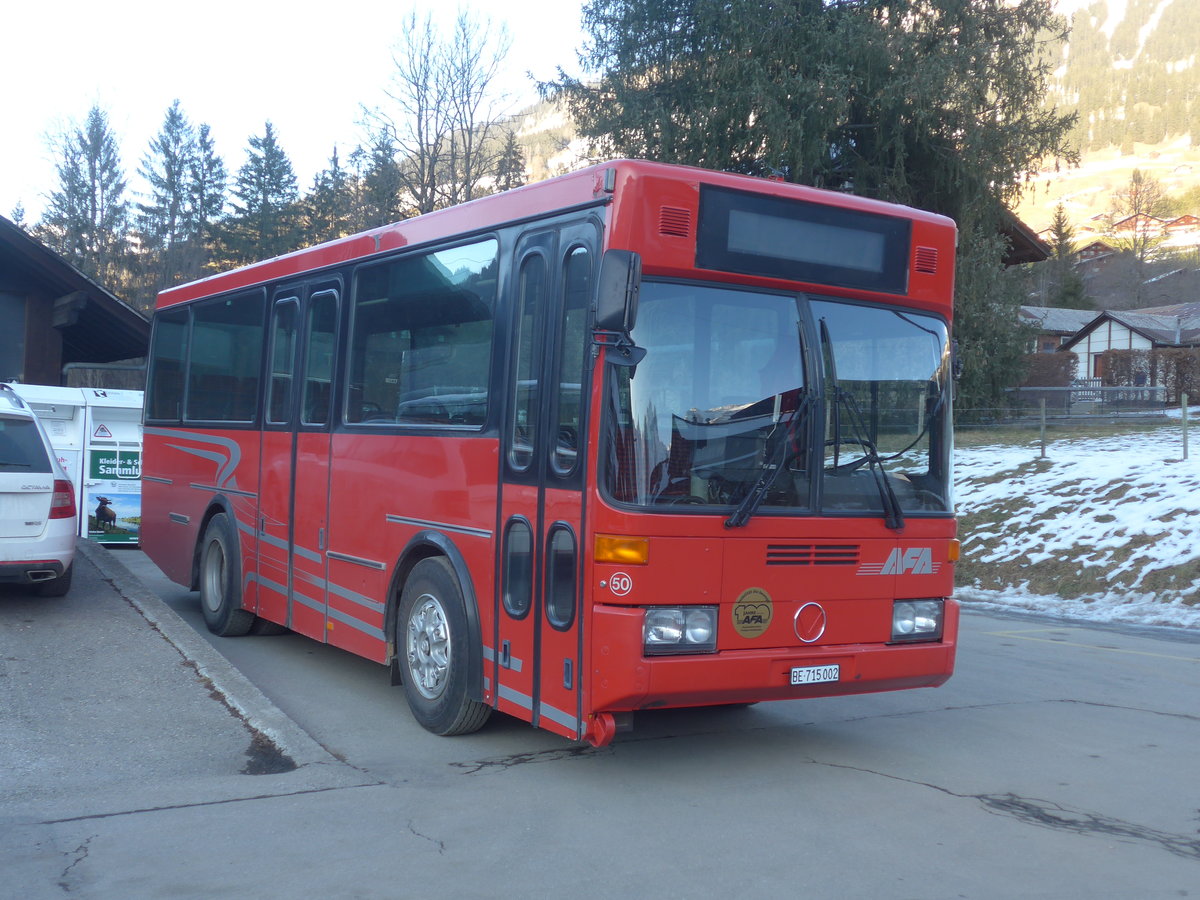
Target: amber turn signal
(624,551)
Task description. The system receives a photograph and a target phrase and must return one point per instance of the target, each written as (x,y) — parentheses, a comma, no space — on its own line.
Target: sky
(1125,506)
(232,65)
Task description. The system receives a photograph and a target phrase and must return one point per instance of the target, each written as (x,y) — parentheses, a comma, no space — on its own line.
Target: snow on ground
(1112,523)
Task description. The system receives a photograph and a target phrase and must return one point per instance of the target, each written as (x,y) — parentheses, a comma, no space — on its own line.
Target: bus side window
(318,364)
(283,351)
(225,360)
(523,422)
(577,289)
(421,342)
(164,402)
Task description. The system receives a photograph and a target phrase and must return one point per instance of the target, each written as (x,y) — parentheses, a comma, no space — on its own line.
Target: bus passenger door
(311,600)
(539,631)
(277,461)
(293,508)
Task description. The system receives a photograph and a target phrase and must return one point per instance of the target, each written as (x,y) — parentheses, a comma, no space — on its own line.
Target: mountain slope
(1131,70)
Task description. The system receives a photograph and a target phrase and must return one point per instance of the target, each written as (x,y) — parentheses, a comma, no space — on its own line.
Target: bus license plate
(815,674)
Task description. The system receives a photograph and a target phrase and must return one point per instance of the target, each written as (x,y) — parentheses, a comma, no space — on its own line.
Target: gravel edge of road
(244,699)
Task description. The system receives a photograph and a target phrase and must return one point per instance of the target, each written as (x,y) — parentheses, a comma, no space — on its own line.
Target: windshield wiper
(771,468)
(893,516)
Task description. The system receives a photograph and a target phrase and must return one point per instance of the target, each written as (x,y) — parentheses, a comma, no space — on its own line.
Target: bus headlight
(917,620)
(679,629)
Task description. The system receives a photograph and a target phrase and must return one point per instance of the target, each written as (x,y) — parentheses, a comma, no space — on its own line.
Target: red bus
(640,436)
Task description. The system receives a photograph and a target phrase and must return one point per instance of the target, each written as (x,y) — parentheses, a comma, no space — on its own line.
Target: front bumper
(751,675)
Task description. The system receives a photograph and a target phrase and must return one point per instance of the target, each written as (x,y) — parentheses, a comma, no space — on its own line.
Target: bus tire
(266,628)
(434,649)
(221,580)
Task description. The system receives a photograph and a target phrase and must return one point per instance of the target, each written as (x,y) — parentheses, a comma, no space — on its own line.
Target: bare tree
(1133,213)
(471,65)
(444,110)
(1134,229)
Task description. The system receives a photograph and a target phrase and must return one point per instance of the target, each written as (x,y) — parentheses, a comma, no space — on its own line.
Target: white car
(38,515)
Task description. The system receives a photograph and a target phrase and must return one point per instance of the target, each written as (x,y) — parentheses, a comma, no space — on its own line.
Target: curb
(242,696)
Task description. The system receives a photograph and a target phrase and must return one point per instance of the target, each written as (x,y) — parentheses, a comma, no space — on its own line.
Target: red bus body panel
(363,500)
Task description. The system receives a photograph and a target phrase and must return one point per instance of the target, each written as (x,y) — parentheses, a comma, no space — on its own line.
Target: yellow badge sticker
(752,612)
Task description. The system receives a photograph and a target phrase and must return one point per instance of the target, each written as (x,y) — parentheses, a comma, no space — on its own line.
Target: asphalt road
(1060,761)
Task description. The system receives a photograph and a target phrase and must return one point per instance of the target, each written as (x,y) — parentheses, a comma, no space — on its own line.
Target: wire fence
(1040,417)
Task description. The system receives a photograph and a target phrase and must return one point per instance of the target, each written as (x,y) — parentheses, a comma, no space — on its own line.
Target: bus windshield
(804,406)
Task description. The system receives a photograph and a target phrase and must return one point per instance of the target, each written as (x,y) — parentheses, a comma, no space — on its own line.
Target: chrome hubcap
(214,577)
(428,647)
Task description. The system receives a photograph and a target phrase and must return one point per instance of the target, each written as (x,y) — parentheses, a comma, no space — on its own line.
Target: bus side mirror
(617,293)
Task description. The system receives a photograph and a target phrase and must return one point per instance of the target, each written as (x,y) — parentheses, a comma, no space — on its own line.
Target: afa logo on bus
(906,561)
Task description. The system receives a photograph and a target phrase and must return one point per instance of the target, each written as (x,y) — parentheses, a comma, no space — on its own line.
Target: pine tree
(87,219)
(1066,288)
(510,166)
(207,186)
(329,206)
(161,221)
(383,182)
(265,221)
(933,103)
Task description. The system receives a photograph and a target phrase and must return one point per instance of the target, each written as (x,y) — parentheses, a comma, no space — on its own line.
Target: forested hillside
(1131,71)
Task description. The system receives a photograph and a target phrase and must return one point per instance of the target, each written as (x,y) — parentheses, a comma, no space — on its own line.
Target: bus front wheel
(433,644)
(221,580)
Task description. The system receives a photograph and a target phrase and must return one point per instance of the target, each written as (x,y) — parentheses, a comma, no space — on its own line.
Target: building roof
(1094,250)
(1024,246)
(96,325)
(1056,319)
(1164,326)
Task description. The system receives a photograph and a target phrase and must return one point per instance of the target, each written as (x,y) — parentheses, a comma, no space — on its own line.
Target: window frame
(352,354)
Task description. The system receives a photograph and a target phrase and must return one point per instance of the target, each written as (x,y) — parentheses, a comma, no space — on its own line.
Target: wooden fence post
(1183,405)
(1042,429)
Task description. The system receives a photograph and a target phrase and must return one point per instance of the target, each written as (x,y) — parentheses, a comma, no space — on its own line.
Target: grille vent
(812,554)
(674,221)
(927,260)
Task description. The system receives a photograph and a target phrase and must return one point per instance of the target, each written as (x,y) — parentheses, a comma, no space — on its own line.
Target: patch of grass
(1082,570)
(1025,470)
(1022,433)
(1176,514)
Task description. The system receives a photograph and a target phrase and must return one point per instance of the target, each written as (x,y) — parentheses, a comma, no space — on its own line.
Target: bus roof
(590,186)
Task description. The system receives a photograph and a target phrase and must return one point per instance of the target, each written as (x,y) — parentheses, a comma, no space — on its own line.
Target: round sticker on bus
(620,584)
(752,612)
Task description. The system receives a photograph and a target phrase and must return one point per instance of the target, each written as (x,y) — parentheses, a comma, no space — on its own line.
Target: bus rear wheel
(432,641)
(221,580)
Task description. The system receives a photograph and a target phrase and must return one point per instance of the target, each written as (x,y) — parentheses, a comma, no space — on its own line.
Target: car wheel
(432,640)
(59,586)
(221,580)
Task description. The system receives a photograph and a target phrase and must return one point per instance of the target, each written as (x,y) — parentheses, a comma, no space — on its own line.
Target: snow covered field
(1103,529)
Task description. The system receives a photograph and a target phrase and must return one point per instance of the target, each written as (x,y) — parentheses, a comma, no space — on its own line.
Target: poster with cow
(113,496)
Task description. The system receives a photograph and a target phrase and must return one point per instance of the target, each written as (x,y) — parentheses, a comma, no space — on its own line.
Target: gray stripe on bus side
(514,696)
(441,526)
(356,624)
(514,662)
(557,715)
